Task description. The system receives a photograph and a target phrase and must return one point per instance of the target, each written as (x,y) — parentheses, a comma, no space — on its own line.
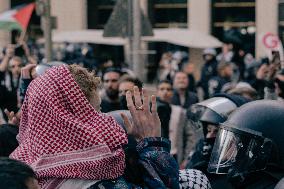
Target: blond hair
(86,80)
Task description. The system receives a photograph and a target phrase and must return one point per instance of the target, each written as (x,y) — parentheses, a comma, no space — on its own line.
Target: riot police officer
(209,114)
(249,146)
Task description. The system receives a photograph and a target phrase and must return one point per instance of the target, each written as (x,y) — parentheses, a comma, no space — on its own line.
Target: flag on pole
(16,19)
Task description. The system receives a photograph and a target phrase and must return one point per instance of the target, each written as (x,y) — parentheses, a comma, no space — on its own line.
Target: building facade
(281,19)
(246,18)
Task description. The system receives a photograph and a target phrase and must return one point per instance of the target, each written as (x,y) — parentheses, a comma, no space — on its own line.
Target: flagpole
(22,36)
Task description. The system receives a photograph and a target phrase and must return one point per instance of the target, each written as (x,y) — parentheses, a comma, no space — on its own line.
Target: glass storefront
(99,12)
(168,13)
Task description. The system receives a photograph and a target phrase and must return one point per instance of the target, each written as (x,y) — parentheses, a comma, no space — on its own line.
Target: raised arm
(158,168)
(9,53)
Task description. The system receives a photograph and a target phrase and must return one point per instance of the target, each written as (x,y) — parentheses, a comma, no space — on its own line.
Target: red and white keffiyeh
(62,136)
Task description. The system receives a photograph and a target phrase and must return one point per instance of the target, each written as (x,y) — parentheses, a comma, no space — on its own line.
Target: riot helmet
(209,114)
(250,139)
(214,110)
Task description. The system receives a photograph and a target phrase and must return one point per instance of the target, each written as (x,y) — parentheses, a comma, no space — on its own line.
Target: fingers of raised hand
(137,97)
(12,119)
(154,105)
(10,48)
(30,66)
(130,103)
(10,115)
(26,71)
(156,120)
(146,103)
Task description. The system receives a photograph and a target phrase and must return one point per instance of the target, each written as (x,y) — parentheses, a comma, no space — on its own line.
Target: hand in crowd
(267,72)
(27,71)
(146,123)
(10,50)
(13,119)
(262,72)
(273,68)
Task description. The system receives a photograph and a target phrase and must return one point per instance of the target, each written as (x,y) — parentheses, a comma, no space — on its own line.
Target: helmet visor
(194,114)
(214,111)
(237,151)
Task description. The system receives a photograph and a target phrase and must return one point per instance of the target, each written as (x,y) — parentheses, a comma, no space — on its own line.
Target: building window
(98,12)
(168,13)
(234,21)
(281,20)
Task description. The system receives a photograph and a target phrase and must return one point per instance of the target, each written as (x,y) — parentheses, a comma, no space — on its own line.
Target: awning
(86,36)
(184,37)
(178,36)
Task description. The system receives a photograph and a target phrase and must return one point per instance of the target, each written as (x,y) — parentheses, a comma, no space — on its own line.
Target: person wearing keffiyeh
(62,134)
(70,144)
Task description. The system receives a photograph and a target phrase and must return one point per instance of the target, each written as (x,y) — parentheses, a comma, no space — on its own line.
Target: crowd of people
(72,125)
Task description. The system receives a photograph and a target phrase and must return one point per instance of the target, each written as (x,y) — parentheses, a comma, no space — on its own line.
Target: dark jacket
(108,106)
(216,84)
(9,96)
(24,84)
(14,86)
(240,63)
(258,85)
(190,98)
(208,71)
(191,86)
(148,165)
(8,141)
(164,112)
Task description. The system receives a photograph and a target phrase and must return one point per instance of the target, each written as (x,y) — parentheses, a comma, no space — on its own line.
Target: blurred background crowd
(181,75)
(228,70)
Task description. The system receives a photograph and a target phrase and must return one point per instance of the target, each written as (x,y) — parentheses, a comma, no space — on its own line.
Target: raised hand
(10,51)
(26,72)
(13,118)
(145,123)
